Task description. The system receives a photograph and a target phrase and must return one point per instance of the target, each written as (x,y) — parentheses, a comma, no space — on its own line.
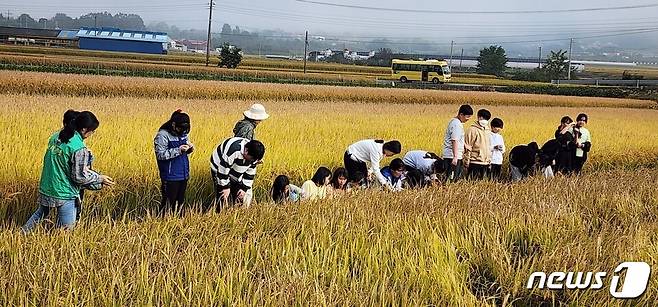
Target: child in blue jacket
(172,148)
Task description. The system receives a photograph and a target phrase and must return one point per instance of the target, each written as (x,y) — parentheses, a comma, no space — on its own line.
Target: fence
(597,82)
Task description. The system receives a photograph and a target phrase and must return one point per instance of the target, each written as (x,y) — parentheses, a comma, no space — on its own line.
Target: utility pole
(452,44)
(95,20)
(569,69)
(539,58)
(461,59)
(209,28)
(305,50)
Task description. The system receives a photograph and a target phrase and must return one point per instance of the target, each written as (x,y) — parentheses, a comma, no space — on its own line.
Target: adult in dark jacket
(522,160)
(246,127)
(172,147)
(565,138)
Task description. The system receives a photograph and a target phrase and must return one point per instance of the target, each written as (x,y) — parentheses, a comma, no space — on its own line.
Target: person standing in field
(564,137)
(69,117)
(172,149)
(497,148)
(246,127)
(318,186)
(522,160)
(360,153)
(283,191)
(65,170)
(422,168)
(583,143)
(394,174)
(233,168)
(477,146)
(453,143)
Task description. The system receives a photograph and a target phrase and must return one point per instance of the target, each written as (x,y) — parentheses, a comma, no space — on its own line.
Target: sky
(421,20)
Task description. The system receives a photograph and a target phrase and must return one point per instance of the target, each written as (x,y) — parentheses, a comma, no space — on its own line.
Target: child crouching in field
(283,191)
(394,174)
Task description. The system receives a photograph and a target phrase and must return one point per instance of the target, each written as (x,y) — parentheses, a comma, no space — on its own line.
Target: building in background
(112,39)
(36,37)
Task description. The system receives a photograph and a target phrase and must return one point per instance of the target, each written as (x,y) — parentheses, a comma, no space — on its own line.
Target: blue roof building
(112,39)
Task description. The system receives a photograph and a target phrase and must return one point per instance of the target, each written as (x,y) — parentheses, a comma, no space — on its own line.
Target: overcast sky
(295,17)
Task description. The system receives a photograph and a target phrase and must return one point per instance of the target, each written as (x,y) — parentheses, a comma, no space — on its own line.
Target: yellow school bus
(434,71)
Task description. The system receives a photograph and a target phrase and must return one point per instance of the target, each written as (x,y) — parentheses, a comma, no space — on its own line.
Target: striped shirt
(229,167)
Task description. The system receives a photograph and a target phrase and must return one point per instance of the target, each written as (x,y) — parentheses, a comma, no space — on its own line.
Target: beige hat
(256,112)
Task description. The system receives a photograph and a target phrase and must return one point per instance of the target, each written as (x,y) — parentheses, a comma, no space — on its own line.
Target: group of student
(474,153)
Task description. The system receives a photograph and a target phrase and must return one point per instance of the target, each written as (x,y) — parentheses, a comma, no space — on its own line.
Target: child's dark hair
(320,175)
(339,172)
(465,110)
(438,167)
(393,146)
(582,116)
(357,177)
(497,123)
(180,118)
(69,116)
(255,149)
(397,165)
(566,120)
(484,113)
(279,188)
(84,120)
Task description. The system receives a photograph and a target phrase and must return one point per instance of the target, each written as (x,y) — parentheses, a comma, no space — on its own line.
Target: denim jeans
(65,216)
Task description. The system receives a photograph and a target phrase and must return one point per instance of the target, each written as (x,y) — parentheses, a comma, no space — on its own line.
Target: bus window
(446,70)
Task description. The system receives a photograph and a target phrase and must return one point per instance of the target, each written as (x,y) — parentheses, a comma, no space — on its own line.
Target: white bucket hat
(256,112)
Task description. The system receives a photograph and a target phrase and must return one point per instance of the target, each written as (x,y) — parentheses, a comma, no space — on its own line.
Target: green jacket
(56,174)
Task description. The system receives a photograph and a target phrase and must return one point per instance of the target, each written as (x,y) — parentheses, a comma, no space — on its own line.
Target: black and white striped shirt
(228,165)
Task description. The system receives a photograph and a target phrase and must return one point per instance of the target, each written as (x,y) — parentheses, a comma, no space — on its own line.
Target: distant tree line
(64,22)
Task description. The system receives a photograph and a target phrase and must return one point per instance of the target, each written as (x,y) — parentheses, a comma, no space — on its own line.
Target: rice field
(466,244)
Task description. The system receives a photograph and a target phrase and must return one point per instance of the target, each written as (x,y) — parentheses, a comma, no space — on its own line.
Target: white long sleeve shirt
(369,151)
(497,154)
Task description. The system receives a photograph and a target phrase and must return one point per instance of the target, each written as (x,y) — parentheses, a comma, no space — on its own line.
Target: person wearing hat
(172,147)
(583,143)
(252,117)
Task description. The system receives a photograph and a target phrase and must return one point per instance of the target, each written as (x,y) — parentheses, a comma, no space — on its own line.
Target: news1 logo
(633,285)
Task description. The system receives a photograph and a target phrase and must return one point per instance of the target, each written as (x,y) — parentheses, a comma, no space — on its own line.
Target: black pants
(415,178)
(578,163)
(564,162)
(453,173)
(496,172)
(173,195)
(477,171)
(356,171)
(219,203)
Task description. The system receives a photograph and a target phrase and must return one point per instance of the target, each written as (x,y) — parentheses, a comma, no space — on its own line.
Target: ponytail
(83,120)
(379,141)
(179,117)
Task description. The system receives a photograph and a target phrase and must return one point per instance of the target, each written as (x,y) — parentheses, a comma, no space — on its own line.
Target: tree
(230,56)
(383,57)
(492,61)
(556,65)
(226,29)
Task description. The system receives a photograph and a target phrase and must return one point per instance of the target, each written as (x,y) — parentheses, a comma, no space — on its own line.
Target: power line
(623,33)
(613,8)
